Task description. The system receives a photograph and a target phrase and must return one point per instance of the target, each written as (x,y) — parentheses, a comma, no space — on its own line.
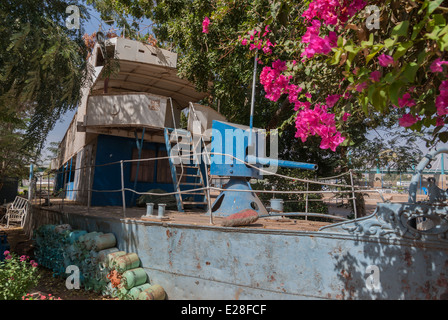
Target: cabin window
(146,169)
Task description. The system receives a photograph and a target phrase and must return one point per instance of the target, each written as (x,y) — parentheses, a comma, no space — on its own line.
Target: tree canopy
(328,71)
(43,68)
(333,69)
(42,63)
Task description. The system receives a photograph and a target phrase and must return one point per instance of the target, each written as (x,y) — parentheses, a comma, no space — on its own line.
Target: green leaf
(365,104)
(336,57)
(434,35)
(389,77)
(433,5)
(417,28)
(409,72)
(350,58)
(423,7)
(373,53)
(443,137)
(351,48)
(443,42)
(443,31)
(401,29)
(401,49)
(379,98)
(394,90)
(369,43)
(439,20)
(390,42)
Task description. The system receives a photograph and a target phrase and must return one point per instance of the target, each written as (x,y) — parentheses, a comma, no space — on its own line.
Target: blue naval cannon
(238,153)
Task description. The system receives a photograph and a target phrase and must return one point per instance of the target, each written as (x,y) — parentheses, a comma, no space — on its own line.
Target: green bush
(17,276)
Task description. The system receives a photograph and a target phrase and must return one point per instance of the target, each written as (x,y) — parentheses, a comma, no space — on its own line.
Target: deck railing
(337,188)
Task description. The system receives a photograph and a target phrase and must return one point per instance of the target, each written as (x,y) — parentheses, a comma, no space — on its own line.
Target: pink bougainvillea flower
(301,105)
(440,122)
(6,253)
(347,95)
(333,12)
(386,60)
(332,99)
(293,91)
(360,87)
(267,47)
(332,142)
(408,120)
(266,31)
(375,76)
(8,257)
(406,101)
(317,44)
(345,116)
(437,65)
(274,82)
(442,99)
(308,95)
(318,121)
(205,24)
(279,65)
(244,41)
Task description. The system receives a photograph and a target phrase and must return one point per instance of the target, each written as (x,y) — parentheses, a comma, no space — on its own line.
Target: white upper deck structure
(143,92)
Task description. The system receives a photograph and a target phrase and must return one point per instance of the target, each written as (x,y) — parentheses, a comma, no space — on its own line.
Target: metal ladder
(187,174)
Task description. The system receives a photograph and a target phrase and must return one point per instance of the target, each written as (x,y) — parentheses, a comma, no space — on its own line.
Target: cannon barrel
(281,163)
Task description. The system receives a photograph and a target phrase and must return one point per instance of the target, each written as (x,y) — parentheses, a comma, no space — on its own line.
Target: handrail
(208,188)
(418,171)
(208,177)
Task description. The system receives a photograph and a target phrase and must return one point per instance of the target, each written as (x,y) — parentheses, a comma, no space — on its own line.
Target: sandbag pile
(103,268)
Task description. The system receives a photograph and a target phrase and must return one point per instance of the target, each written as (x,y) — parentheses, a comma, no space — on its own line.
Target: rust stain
(271,278)
(349,288)
(180,239)
(444,296)
(408,258)
(207,263)
(168,233)
(442,281)
(237,294)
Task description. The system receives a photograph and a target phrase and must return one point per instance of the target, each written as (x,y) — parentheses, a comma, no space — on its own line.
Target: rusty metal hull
(378,257)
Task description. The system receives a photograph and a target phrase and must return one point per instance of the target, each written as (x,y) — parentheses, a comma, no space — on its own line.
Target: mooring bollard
(162,210)
(149,209)
(276,205)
